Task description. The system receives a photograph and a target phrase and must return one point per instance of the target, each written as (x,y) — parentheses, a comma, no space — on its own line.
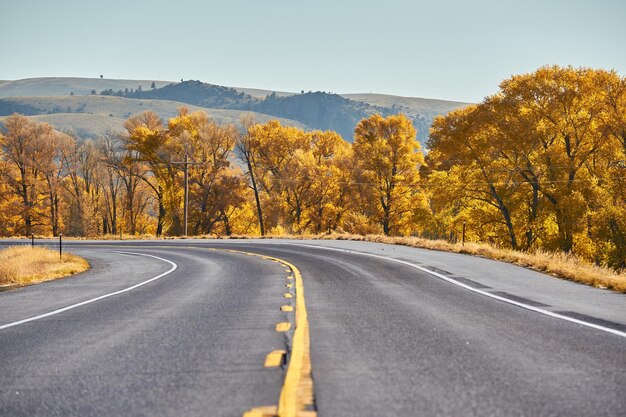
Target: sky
(452,50)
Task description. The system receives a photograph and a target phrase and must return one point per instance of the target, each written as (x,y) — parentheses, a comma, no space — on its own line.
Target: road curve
(386,338)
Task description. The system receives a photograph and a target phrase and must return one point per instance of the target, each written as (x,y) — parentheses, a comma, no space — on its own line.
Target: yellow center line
(296,394)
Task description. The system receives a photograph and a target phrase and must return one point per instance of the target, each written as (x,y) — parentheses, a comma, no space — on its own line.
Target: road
(394,331)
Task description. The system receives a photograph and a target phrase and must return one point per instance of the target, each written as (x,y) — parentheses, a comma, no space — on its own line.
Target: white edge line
(92,300)
(476,290)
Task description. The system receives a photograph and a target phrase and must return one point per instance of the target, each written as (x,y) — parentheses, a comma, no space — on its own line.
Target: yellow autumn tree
(27,150)
(213,185)
(328,199)
(148,138)
(387,158)
(539,164)
(269,151)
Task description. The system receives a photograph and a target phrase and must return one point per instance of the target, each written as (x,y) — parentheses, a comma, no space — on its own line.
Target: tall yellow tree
(387,158)
(547,151)
(148,138)
(248,147)
(329,195)
(564,107)
(213,185)
(26,150)
(469,146)
(269,151)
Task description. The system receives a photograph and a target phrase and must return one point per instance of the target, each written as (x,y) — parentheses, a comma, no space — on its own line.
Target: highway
(184,328)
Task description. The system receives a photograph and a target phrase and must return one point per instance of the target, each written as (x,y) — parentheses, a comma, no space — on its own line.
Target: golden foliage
(538,166)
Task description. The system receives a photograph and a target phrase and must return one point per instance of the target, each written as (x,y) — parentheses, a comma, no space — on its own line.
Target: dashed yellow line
(296,395)
(286,308)
(283,326)
(269,411)
(274,358)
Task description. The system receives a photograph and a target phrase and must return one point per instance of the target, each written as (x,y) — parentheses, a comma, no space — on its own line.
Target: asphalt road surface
(173,328)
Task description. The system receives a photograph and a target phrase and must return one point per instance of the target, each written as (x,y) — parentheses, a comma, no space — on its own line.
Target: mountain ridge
(93,115)
(314,110)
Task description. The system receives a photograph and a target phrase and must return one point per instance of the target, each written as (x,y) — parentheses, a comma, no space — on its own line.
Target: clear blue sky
(457,50)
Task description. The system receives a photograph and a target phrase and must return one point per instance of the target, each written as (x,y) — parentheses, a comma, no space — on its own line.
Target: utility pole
(185,165)
(186,203)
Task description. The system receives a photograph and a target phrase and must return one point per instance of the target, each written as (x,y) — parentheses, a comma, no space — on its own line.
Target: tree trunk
(256,198)
(506,215)
(161,218)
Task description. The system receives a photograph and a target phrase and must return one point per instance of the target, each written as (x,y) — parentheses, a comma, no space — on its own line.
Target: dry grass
(24,265)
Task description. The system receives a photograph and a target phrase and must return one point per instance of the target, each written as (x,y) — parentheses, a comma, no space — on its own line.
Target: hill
(83,125)
(319,110)
(314,110)
(408,105)
(324,111)
(261,94)
(61,86)
(93,115)
(199,94)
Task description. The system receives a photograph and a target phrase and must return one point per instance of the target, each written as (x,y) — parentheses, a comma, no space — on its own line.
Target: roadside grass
(24,265)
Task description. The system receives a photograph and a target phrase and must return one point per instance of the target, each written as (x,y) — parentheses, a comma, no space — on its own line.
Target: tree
(248,151)
(465,138)
(388,157)
(212,183)
(27,149)
(151,142)
(563,108)
(125,165)
(328,197)
(541,161)
(55,173)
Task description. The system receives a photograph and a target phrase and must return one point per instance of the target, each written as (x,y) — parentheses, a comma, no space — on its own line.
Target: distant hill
(199,94)
(408,105)
(259,93)
(319,110)
(93,114)
(322,110)
(61,86)
(122,98)
(83,125)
